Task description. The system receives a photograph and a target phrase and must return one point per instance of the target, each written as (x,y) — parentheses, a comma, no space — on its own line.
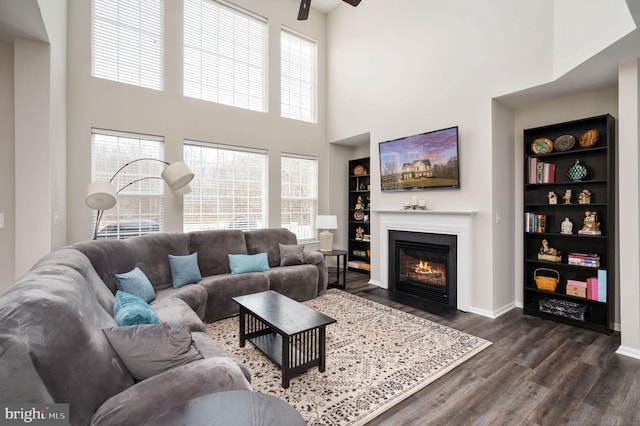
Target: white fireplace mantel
(450,222)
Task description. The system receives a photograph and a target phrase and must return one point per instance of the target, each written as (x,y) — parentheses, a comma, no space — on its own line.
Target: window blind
(299,196)
(140,207)
(127,41)
(229,189)
(298,64)
(224,55)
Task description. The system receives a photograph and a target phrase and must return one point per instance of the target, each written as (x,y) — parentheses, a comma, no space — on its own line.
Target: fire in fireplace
(422,266)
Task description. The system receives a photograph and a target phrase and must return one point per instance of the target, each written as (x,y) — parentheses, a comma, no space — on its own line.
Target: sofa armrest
(171,389)
(316,258)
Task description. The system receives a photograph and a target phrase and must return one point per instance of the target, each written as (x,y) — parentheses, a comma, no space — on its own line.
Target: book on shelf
(602,285)
(592,288)
(541,172)
(548,173)
(584,259)
(535,222)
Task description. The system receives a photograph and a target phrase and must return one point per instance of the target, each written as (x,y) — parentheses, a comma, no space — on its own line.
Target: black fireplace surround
(423,270)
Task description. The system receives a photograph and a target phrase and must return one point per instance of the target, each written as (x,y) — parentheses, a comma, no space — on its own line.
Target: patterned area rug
(376,357)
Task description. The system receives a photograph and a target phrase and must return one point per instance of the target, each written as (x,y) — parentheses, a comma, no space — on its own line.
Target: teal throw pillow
(136,282)
(132,310)
(184,270)
(241,263)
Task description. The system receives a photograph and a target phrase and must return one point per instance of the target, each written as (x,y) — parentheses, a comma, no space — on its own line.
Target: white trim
(451,223)
(132,135)
(627,351)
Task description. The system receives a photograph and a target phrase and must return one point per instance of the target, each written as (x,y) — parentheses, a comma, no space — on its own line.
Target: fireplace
(423,269)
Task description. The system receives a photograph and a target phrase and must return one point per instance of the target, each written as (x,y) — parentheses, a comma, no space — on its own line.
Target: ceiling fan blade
(353,3)
(303,13)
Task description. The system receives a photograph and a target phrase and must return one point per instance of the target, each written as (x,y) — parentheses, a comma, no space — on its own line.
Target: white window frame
(298,76)
(225,55)
(127,41)
(148,191)
(237,209)
(291,183)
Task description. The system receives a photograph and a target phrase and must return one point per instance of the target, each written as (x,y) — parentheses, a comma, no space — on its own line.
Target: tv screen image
(424,161)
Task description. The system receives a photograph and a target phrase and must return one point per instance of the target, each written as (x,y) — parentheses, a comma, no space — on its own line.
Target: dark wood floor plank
(536,372)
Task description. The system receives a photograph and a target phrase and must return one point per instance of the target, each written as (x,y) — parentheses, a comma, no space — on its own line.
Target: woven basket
(544,282)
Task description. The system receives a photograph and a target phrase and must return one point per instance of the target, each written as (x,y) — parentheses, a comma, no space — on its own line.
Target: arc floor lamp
(102,195)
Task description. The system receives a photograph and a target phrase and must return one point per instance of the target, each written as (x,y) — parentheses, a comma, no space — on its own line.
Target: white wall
(7,181)
(629,205)
(405,67)
(32,153)
(105,104)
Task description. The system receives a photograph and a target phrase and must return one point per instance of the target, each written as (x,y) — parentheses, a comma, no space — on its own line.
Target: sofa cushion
(173,309)
(136,282)
(291,254)
(298,282)
(221,288)
(195,296)
(243,263)
(267,240)
(140,403)
(213,248)
(131,310)
(148,349)
(184,269)
(17,371)
(209,348)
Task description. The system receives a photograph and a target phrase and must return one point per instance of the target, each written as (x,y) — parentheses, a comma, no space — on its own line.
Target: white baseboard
(630,352)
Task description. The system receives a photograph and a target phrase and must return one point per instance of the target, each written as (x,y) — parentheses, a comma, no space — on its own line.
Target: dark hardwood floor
(536,372)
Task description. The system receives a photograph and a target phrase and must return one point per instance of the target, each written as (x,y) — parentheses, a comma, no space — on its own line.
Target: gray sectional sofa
(53,347)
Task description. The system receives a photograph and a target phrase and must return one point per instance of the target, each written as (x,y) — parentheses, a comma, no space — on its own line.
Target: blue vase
(577,172)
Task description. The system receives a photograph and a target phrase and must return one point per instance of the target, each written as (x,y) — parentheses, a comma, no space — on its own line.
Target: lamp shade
(182,191)
(101,195)
(177,175)
(326,222)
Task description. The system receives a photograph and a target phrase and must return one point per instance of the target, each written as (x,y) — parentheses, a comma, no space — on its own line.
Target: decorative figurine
(590,224)
(566,227)
(567,196)
(545,249)
(359,233)
(359,203)
(547,253)
(553,197)
(584,197)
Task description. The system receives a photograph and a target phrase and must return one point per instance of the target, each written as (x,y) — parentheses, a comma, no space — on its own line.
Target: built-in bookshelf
(359,256)
(569,222)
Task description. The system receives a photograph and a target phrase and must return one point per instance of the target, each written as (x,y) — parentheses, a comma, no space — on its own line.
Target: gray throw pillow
(291,254)
(150,349)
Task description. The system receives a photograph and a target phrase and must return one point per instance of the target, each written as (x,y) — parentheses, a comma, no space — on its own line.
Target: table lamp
(326,238)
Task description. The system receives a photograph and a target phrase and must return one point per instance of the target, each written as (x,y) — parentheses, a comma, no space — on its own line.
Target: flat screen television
(424,161)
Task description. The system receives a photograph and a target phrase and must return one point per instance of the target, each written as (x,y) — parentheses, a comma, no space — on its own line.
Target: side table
(338,270)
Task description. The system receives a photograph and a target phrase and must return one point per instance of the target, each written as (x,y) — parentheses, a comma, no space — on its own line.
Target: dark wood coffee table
(287,332)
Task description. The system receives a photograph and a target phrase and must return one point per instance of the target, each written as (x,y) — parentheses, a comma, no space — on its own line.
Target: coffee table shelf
(287,332)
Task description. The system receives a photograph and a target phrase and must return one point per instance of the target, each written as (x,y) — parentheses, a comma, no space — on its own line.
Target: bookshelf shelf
(542,215)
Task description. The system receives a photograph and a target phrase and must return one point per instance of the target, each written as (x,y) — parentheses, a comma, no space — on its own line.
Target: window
(298,77)
(224,55)
(127,41)
(140,206)
(229,189)
(299,196)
